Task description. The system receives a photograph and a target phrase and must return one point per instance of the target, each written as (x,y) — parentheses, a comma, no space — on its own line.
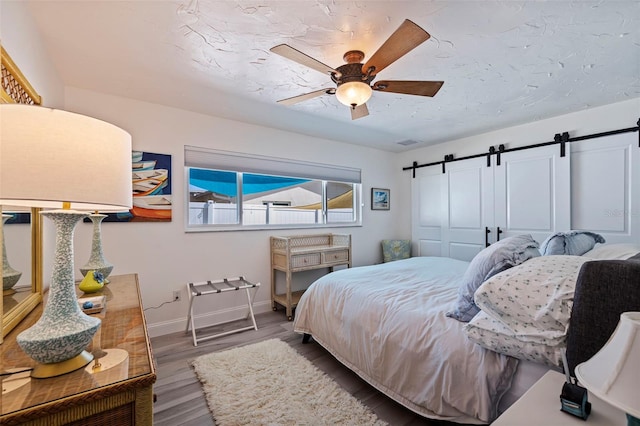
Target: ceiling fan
(354,78)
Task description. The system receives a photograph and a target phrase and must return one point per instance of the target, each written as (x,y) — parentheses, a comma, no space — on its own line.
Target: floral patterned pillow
(533,299)
(496,336)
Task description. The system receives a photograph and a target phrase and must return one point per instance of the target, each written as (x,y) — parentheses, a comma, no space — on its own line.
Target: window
(237,191)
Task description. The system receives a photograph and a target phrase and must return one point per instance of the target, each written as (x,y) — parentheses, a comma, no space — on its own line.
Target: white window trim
(205,158)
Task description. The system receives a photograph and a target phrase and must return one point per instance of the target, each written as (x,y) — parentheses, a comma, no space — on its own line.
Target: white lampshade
(613,374)
(66,157)
(353,93)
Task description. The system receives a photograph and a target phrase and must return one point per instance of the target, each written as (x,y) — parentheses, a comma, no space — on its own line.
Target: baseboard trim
(206,319)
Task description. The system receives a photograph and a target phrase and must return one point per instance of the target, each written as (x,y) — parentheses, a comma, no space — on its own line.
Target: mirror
(21,265)
(23,241)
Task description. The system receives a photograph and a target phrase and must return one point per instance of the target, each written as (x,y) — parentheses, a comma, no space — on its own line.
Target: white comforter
(387,323)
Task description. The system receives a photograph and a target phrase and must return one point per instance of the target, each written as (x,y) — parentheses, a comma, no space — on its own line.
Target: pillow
(534,299)
(613,251)
(395,250)
(495,336)
(574,243)
(497,257)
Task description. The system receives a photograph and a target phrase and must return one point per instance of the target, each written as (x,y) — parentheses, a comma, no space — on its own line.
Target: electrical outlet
(176,296)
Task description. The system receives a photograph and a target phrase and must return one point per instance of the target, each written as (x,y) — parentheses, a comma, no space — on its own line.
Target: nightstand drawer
(303,260)
(335,256)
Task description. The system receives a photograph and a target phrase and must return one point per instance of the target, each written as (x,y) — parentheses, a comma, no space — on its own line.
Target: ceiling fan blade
(420,88)
(306,96)
(359,111)
(403,40)
(302,58)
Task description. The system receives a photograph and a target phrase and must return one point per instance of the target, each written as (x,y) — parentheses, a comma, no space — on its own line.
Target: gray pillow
(498,257)
(573,243)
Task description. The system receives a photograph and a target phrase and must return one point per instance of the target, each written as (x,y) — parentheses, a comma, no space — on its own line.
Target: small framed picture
(380,199)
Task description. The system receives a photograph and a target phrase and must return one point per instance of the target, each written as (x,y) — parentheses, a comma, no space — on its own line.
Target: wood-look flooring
(181,401)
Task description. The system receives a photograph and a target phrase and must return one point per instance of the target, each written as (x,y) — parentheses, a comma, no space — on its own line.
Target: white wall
(165,257)
(21,40)
(594,120)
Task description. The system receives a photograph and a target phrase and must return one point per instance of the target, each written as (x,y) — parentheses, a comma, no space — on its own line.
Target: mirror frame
(14,316)
(17,89)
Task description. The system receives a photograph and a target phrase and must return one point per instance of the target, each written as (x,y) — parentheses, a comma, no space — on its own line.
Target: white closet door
(467,207)
(605,187)
(532,193)
(426,211)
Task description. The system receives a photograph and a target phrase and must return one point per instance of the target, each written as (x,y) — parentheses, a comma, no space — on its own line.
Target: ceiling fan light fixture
(353,93)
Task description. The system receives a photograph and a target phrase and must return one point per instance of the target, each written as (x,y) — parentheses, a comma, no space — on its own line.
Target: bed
(389,323)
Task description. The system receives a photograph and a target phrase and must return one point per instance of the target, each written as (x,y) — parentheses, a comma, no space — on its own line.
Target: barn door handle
(499,232)
(487,231)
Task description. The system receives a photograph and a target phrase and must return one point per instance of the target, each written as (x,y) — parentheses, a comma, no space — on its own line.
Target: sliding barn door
(426,211)
(532,193)
(456,213)
(605,187)
(451,210)
(467,207)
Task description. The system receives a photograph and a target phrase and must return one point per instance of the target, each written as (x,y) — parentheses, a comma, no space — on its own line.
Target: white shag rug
(269,383)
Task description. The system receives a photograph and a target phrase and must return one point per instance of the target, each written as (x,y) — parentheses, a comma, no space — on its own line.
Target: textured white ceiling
(503,62)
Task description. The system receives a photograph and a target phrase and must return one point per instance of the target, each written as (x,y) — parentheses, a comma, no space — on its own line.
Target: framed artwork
(380,199)
(151,181)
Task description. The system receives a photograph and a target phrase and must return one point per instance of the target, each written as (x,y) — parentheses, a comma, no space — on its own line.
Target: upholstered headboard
(604,290)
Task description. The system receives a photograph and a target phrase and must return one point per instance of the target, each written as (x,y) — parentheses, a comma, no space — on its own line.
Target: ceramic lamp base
(97,262)
(9,279)
(43,371)
(10,276)
(104,270)
(63,331)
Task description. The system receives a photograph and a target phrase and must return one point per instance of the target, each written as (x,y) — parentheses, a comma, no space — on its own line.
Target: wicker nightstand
(302,253)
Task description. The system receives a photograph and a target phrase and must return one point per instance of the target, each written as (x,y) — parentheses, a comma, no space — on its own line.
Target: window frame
(215,158)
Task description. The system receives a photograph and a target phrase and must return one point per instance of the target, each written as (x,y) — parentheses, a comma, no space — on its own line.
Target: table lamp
(613,374)
(55,159)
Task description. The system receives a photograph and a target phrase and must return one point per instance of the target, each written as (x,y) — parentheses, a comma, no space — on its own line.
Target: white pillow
(494,335)
(613,251)
(533,299)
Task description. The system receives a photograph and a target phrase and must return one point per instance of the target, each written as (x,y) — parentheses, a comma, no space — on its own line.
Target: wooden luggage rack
(216,287)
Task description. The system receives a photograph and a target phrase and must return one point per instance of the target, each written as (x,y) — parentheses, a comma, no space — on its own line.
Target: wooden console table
(122,394)
(302,253)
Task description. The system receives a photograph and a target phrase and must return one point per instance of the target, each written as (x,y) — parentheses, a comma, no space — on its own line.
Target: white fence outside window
(202,213)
